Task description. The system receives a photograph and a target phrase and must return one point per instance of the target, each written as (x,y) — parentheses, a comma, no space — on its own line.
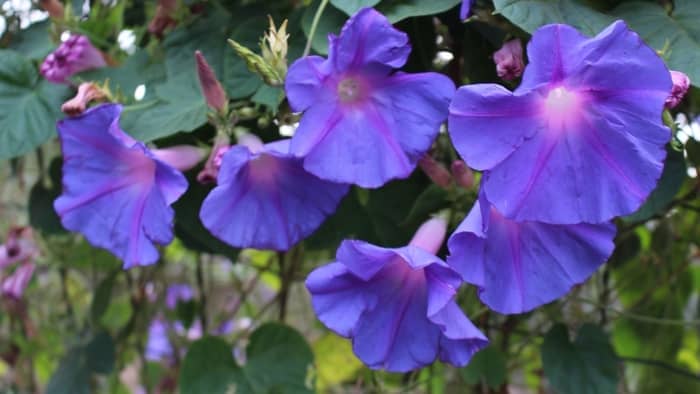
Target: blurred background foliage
(83,323)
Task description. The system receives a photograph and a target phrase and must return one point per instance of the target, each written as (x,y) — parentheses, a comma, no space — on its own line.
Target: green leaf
(331,22)
(33,42)
(29,105)
(81,361)
(692,148)
(278,360)
(529,15)
(209,35)
(350,7)
(42,215)
(335,361)
(102,297)
(178,106)
(100,353)
(487,366)
(429,201)
(679,29)
(586,366)
(209,368)
(671,181)
(137,69)
(397,10)
(269,96)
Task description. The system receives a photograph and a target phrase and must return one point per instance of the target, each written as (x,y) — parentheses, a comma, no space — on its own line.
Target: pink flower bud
(211,87)
(74,55)
(182,157)
(53,7)
(430,235)
(462,174)
(509,60)
(435,171)
(87,92)
(681,83)
(13,286)
(162,19)
(211,168)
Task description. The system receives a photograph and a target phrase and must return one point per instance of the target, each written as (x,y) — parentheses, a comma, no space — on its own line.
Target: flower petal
(267,200)
(487,123)
(358,45)
(117,196)
(519,266)
(304,81)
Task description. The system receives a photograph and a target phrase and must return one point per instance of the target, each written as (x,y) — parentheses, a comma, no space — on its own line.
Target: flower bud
(430,235)
(211,87)
(462,174)
(53,7)
(162,19)
(211,167)
(274,47)
(73,56)
(681,84)
(182,157)
(13,286)
(509,60)
(466,9)
(435,171)
(87,92)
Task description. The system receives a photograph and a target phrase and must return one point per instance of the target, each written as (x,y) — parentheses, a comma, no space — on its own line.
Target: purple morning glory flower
(265,199)
(158,346)
(518,266)
(74,55)
(115,191)
(177,293)
(581,138)
(398,305)
(465,9)
(364,123)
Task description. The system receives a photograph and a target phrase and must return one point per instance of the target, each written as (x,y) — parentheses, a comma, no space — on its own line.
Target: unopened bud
(181,157)
(430,235)
(435,171)
(681,84)
(211,167)
(53,7)
(211,87)
(274,47)
(162,19)
(509,60)
(258,65)
(87,92)
(13,285)
(462,174)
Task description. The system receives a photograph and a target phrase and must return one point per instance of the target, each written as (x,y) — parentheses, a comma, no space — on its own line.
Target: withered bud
(87,92)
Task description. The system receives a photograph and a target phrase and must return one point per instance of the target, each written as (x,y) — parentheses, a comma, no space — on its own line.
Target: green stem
(314,25)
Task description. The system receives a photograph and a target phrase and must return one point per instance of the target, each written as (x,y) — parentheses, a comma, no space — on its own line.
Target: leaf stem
(314,25)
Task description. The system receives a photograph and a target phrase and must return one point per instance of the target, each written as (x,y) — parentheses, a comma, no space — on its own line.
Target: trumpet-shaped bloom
(179,292)
(581,139)
(74,55)
(265,199)
(364,123)
(518,266)
(397,304)
(115,191)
